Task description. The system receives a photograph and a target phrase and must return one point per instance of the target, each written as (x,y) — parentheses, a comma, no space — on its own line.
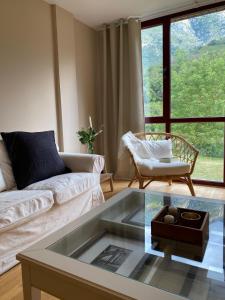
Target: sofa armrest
(79,162)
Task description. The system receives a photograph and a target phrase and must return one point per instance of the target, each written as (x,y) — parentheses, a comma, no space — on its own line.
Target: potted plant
(88,136)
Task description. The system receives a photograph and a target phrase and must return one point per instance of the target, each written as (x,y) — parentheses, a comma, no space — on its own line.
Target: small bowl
(190,216)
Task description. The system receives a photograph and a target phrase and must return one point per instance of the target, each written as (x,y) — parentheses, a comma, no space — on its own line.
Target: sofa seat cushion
(21,206)
(150,167)
(67,186)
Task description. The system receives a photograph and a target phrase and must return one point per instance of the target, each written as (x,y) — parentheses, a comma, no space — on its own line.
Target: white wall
(66,82)
(85,52)
(27,91)
(47,70)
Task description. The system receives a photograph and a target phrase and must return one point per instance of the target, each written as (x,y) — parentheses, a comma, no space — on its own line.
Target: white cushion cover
(20,237)
(5,165)
(150,167)
(20,206)
(67,186)
(145,149)
(135,145)
(2,182)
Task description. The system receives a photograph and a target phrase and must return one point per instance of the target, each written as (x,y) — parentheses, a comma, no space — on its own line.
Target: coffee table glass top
(119,240)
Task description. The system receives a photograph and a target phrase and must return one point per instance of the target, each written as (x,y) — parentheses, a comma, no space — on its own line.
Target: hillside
(189,35)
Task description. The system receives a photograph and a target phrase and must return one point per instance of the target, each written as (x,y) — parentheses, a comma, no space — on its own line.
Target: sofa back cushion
(6,174)
(34,156)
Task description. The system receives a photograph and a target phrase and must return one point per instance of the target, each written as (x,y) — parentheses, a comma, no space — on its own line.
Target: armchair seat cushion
(67,186)
(21,206)
(149,167)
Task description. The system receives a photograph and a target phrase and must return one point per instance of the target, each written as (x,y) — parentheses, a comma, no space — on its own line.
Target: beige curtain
(120,97)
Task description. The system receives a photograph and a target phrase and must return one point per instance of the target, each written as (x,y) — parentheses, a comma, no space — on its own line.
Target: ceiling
(96,12)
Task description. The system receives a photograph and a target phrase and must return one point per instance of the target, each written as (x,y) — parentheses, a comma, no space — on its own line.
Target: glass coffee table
(109,253)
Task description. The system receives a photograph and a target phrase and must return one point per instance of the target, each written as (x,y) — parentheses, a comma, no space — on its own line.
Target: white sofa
(28,215)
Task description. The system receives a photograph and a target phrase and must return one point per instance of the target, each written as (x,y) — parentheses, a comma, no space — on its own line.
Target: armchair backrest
(181,148)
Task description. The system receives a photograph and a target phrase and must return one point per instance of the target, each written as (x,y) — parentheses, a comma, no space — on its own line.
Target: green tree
(197,90)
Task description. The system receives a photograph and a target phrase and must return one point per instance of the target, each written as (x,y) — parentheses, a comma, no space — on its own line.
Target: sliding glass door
(184,83)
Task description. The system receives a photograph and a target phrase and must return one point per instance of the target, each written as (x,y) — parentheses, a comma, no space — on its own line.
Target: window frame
(165,22)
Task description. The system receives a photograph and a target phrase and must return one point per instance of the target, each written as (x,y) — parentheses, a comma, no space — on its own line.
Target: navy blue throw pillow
(34,156)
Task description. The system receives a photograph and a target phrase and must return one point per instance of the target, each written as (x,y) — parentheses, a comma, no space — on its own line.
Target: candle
(90,121)
(168,219)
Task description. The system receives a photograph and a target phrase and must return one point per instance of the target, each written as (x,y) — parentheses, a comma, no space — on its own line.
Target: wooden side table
(107,177)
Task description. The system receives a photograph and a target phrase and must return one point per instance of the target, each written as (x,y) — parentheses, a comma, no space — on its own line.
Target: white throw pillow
(6,168)
(2,182)
(159,149)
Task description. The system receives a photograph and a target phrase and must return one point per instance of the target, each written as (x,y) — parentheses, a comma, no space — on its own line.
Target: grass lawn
(209,168)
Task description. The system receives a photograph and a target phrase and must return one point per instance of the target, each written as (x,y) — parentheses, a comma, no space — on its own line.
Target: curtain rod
(117,22)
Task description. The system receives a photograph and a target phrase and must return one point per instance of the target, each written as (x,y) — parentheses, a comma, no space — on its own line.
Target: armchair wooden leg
(190,185)
(141,184)
(132,180)
(170,182)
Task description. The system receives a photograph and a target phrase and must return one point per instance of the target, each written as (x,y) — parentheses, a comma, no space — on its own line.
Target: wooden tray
(187,233)
(178,248)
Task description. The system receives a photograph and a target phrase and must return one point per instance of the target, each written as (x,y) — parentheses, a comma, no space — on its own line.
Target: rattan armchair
(182,150)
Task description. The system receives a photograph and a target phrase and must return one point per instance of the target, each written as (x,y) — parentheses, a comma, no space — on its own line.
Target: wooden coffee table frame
(37,277)
(69,279)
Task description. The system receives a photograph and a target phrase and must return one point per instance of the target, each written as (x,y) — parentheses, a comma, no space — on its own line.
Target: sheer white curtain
(120,106)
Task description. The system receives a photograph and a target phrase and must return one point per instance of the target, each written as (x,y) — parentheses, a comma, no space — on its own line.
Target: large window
(184,83)
(152,62)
